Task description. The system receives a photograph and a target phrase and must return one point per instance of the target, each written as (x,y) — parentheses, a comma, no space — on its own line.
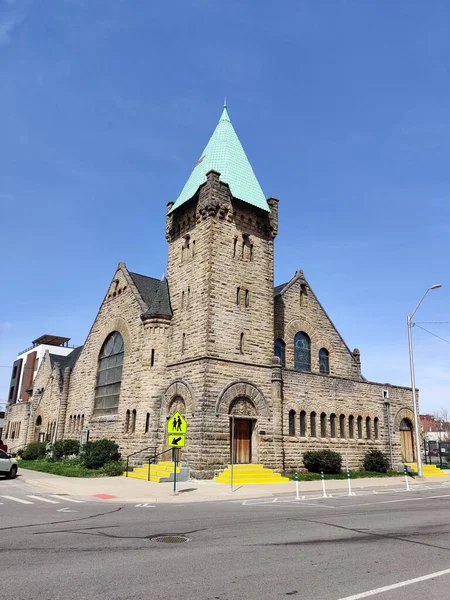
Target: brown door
(242,441)
(407,446)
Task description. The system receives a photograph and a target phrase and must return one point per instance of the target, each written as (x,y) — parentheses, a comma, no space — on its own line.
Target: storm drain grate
(170,539)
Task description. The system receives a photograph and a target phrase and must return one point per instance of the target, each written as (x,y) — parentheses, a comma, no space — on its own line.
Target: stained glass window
(324,361)
(280,351)
(302,351)
(109,375)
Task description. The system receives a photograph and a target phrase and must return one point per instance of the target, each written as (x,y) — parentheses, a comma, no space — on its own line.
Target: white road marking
(145,505)
(67,499)
(17,500)
(400,500)
(43,499)
(65,510)
(394,586)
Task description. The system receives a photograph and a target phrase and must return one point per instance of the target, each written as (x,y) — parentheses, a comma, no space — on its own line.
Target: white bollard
(323,485)
(349,485)
(407,482)
(297,497)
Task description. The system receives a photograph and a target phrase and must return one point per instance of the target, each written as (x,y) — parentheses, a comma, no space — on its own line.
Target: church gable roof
(224,153)
(155,294)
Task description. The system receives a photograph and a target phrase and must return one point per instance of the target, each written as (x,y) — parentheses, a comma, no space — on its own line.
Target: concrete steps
(250,474)
(159,473)
(428,470)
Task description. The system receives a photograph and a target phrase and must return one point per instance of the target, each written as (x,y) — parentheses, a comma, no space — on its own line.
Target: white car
(8,465)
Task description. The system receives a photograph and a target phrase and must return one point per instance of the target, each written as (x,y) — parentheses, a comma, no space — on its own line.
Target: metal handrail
(151,459)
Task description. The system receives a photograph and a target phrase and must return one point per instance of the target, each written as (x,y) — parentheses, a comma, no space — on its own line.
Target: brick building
(215,339)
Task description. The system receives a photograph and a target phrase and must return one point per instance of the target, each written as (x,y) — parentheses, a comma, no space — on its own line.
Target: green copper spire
(225,154)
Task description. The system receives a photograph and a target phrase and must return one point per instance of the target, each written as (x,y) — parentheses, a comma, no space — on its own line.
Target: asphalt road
(327,549)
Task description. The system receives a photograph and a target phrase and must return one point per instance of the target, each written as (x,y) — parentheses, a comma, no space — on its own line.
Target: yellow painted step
(134,475)
(254,481)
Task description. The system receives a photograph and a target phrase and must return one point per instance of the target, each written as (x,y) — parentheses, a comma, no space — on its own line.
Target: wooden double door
(243,429)
(406,440)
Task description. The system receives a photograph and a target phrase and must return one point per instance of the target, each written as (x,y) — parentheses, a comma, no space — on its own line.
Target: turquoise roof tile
(225,154)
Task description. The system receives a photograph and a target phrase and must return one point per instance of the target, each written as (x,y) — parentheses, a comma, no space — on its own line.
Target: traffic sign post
(176,430)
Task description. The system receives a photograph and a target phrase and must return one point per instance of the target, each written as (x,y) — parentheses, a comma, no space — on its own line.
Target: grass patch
(67,468)
(353,475)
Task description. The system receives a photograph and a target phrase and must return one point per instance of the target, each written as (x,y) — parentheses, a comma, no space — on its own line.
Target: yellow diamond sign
(176,425)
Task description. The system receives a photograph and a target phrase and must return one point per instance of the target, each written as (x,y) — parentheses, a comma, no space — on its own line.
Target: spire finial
(225,102)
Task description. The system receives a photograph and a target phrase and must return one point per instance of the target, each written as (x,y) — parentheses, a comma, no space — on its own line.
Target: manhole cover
(171,539)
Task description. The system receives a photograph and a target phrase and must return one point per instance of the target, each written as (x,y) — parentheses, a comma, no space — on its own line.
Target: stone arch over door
(403,413)
(178,391)
(241,390)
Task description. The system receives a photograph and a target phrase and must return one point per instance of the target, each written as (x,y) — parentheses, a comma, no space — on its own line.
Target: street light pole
(413,381)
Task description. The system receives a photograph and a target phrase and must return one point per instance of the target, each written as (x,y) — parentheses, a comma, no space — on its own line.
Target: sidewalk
(122,489)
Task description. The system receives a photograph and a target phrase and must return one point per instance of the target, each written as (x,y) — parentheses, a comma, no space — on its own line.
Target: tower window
(234,247)
(360,428)
(333,425)
(193,248)
(127,421)
(241,344)
(375,428)
(323,425)
(312,424)
(247,299)
(152,359)
(302,424)
(368,429)
(188,296)
(133,421)
(351,427)
(183,343)
(238,296)
(147,423)
(251,251)
(342,426)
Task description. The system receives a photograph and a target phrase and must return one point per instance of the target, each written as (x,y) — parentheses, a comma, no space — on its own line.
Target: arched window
(241,344)
(39,421)
(127,421)
(152,358)
(292,422)
(333,425)
(312,424)
(238,296)
(247,299)
(351,427)
(183,343)
(375,428)
(147,423)
(324,361)
(368,429)
(360,428)
(323,425)
(280,351)
(82,422)
(302,351)
(133,421)
(109,375)
(302,424)
(342,426)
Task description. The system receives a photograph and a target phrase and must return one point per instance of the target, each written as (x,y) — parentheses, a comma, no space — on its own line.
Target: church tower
(221,232)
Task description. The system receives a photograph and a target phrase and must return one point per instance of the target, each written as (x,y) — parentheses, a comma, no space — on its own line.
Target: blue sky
(341,106)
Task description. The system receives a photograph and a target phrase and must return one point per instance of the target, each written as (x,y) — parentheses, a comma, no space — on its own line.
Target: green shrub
(63,448)
(375,460)
(33,451)
(114,467)
(326,461)
(96,454)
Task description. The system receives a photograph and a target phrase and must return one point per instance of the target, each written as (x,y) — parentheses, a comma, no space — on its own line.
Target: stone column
(278,410)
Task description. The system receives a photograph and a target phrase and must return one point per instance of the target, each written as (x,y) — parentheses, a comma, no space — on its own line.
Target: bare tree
(442,420)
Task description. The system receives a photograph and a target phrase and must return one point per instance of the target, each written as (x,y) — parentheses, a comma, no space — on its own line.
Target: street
(321,549)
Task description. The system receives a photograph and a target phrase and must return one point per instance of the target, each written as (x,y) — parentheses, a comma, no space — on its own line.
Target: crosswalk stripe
(17,500)
(43,499)
(65,498)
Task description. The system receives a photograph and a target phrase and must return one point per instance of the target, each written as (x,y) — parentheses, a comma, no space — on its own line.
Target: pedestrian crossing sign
(176,425)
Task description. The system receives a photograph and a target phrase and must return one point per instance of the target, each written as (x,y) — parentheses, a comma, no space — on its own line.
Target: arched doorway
(242,426)
(37,429)
(406,440)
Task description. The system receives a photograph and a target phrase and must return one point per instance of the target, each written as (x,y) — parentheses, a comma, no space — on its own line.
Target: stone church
(213,339)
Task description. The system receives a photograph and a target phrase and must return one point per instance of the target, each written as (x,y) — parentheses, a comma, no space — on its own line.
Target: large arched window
(351,427)
(280,351)
(109,376)
(302,351)
(292,422)
(359,421)
(368,428)
(375,428)
(324,361)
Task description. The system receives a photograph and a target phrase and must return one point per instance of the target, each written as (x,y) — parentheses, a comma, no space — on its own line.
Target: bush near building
(376,461)
(96,454)
(63,448)
(33,451)
(323,461)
